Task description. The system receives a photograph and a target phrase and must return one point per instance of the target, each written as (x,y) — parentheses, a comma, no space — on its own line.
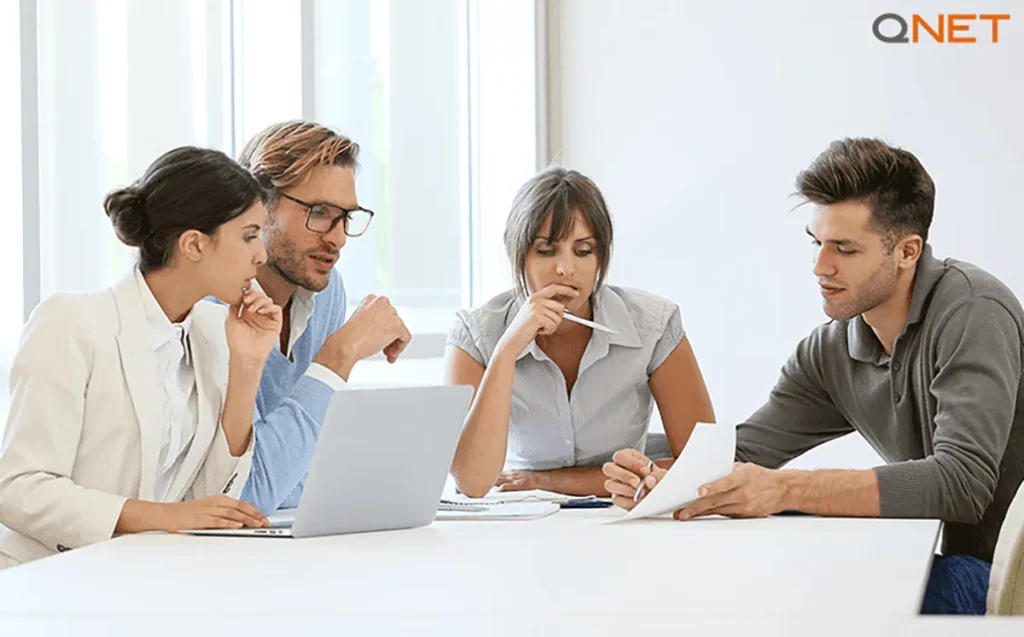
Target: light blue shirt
(610,405)
(292,401)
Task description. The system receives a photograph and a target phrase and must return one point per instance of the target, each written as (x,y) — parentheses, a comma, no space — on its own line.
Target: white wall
(695,117)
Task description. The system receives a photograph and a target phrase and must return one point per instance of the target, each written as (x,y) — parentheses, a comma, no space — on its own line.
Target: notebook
(534,495)
(456,510)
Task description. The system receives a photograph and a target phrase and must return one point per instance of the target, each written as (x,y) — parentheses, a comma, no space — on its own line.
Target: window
(120,83)
(10,184)
(267,55)
(390,74)
(441,97)
(506,130)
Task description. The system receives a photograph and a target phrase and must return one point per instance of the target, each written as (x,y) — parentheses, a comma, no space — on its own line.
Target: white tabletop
(569,564)
(251,621)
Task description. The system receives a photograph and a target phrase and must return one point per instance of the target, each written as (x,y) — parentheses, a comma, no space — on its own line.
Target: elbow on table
(967,496)
(473,487)
(970,510)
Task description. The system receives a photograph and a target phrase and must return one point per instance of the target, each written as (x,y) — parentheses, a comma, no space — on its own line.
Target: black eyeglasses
(321,220)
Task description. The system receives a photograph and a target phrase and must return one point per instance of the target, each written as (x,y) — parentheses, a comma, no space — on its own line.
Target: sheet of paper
(707,456)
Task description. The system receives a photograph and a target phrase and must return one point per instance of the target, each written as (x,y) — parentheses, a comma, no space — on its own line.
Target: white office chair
(1006,586)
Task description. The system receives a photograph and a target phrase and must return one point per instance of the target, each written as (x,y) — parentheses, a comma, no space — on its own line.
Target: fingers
(617,473)
(374,304)
(621,489)
(366,302)
(247,510)
(216,522)
(511,481)
(503,477)
(551,304)
(228,513)
(735,510)
(549,321)
(251,295)
(728,483)
(632,461)
(256,303)
(402,339)
(261,305)
(513,485)
(706,506)
(557,289)
(250,511)
(624,502)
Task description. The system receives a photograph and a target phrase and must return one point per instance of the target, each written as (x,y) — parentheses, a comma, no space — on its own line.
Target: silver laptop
(381,463)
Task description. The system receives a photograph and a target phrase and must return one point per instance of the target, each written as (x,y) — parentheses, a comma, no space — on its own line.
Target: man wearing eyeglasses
(309,170)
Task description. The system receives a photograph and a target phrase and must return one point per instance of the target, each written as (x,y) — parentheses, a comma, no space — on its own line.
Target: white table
(567,565)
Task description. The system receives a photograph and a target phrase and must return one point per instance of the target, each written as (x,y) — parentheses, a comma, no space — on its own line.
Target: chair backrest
(1006,586)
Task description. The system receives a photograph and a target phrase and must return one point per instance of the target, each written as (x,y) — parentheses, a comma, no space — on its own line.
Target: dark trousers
(958,585)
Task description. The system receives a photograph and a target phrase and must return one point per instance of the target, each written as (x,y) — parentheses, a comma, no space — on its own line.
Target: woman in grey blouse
(555,399)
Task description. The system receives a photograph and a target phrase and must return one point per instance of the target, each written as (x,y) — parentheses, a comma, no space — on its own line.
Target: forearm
(139,516)
(574,481)
(339,360)
(480,454)
(831,493)
(236,420)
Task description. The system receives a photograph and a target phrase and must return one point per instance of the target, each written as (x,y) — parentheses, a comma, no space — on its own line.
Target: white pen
(639,489)
(253,284)
(590,324)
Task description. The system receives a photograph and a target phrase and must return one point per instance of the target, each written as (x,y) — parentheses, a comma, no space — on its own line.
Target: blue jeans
(958,585)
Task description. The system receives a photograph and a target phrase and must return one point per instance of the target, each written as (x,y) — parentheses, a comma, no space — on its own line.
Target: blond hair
(284,154)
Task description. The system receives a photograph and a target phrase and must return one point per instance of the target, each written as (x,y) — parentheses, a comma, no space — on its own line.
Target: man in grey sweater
(923,357)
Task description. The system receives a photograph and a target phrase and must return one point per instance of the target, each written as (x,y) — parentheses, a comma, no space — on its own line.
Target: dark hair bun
(127,211)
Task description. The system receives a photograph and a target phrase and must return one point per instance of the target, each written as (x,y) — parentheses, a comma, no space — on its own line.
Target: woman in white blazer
(132,406)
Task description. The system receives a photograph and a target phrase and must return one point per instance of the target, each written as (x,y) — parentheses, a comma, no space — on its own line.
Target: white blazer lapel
(134,343)
(211,377)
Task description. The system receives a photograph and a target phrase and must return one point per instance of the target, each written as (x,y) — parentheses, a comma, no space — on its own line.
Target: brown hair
(890,180)
(187,188)
(284,154)
(559,193)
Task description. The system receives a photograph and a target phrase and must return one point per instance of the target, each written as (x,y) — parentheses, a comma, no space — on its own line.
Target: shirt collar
(609,310)
(301,308)
(304,299)
(161,328)
(861,339)
(862,342)
(929,271)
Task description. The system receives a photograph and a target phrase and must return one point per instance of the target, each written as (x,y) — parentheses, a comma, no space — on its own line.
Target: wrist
(790,487)
(541,480)
(246,364)
(162,515)
(340,362)
(504,355)
(138,516)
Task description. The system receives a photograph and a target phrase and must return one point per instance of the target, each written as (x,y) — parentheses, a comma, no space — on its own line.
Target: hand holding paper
(708,456)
